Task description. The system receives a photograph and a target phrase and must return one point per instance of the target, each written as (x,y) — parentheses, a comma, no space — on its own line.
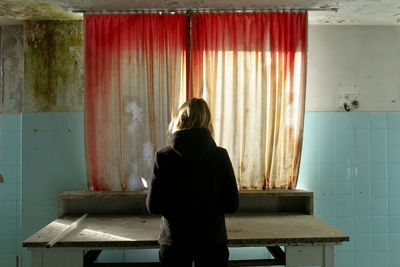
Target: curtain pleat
(134,78)
(250,67)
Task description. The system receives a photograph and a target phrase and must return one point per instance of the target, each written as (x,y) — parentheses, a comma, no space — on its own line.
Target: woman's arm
(154,201)
(231,193)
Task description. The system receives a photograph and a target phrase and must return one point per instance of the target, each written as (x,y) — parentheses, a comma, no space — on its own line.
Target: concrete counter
(250,229)
(119,220)
(298,201)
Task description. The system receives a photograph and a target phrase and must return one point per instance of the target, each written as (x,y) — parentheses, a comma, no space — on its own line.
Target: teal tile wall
(10,190)
(352,163)
(53,162)
(350,160)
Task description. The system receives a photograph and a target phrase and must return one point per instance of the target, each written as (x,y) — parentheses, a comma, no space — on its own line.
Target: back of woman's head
(194,113)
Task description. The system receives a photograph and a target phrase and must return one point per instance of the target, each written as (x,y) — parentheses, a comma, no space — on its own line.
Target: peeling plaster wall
(12,69)
(53,66)
(11,86)
(37,9)
(353,59)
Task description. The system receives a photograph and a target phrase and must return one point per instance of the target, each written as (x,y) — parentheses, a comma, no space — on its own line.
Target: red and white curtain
(135,71)
(250,67)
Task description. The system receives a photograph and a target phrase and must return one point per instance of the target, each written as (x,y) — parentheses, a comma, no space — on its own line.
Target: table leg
(328,256)
(36,258)
(43,257)
(321,255)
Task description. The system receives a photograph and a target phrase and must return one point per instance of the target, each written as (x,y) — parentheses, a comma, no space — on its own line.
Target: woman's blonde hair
(194,113)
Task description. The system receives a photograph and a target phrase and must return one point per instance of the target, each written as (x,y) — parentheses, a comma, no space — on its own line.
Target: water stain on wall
(53,66)
(34,10)
(12,69)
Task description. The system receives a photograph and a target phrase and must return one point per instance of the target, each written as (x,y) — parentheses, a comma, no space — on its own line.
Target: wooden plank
(66,231)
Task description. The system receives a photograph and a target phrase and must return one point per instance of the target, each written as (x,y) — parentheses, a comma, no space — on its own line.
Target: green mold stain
(34,10)
(53,60)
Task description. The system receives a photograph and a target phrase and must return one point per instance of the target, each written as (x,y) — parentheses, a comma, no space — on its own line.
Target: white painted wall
(348,59)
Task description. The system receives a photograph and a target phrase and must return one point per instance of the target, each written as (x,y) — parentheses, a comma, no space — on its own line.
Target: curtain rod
(202,10)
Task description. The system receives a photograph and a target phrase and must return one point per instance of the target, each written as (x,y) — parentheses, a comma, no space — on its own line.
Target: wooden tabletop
(250,229)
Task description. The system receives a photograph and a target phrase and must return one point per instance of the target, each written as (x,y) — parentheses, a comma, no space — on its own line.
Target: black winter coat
(192,186)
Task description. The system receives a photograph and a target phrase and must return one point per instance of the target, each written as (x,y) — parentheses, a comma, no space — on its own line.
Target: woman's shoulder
(220,149)
(164,154)
(221,152)
(164,150)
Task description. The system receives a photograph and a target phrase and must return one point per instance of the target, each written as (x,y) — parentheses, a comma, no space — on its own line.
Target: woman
(192,186)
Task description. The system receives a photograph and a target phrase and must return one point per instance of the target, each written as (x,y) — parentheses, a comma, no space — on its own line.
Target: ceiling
(350,12)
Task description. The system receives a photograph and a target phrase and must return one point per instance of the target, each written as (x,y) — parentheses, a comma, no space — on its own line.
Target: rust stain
(1,179)
(242,167)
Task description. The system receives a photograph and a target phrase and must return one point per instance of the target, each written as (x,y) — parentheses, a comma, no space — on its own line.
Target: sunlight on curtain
(251,70)
(135,75)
